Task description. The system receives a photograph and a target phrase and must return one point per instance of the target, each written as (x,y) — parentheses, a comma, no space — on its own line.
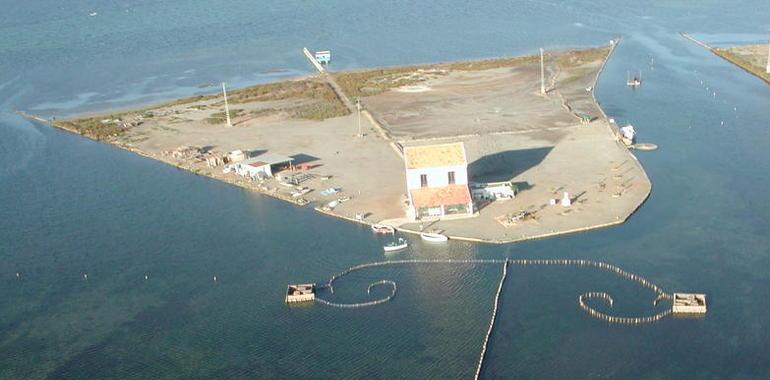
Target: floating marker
(85,276)
(146,277)
(215,278)
(18,275)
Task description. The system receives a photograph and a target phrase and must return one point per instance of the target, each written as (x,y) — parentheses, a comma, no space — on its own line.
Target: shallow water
(70,206)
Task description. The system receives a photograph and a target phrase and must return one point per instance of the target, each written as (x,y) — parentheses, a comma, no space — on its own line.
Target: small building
(260,166)
(300,293)
(689,303)
(437,181)
(493,191)
(323,57)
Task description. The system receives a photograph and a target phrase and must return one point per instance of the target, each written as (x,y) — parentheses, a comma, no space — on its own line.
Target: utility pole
(358,107)
(227,108)
(542,74)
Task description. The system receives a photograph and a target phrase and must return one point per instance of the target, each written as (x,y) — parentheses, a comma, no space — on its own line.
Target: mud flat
(545,144)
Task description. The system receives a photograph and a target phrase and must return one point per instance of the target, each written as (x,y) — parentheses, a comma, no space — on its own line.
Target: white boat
(395,245)
(382,229)
(433,237)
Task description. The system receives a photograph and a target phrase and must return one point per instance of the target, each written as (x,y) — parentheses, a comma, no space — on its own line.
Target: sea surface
(151,238)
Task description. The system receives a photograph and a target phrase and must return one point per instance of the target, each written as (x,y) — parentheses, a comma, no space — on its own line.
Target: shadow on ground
(503,166)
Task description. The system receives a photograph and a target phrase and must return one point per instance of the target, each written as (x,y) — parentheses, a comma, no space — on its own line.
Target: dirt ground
(510,132)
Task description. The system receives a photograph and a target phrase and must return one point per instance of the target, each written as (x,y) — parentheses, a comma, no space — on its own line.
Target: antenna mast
(227,108)
(542,74)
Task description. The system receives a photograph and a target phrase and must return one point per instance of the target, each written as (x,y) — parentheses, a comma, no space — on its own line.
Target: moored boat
(382,229)
(433,237)
(395,245)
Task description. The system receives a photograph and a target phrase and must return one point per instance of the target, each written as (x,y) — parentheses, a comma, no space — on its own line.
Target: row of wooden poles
(491,322)
(612,319)
(523,262)
(582,299)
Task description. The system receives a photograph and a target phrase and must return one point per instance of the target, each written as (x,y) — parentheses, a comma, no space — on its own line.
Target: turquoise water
(70,206)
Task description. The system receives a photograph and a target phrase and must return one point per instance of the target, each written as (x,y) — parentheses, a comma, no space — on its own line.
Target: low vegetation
(94,127)
(743,62)
(221,117)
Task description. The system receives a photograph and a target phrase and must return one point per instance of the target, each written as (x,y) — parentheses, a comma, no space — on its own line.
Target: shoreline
(251,186)
(725,54)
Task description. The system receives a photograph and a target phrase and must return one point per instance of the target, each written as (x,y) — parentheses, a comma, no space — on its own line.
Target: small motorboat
(395,245)
(433,237)
(382,229)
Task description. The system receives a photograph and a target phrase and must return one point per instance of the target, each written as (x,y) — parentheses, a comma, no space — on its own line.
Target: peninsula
(337,141)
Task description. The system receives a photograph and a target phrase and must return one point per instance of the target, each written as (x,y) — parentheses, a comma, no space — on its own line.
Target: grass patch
(94,128)
(308,88)
(221,117)
(320,111)
(743,63)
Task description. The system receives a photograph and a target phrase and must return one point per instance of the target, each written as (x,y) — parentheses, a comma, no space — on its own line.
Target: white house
(260,166)
(437,181)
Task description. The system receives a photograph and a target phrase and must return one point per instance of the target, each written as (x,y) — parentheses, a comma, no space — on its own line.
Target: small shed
(323,57)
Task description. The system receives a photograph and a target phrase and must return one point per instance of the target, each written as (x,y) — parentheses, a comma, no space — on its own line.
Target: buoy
(18,275)
(215,278)
(146,277)
(85,276)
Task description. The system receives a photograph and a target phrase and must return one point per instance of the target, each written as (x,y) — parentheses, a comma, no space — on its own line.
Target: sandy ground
(509,130)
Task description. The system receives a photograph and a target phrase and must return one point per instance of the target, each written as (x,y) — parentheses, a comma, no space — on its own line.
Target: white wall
(437,177)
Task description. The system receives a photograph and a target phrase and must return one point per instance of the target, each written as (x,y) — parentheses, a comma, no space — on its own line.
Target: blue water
(70,206)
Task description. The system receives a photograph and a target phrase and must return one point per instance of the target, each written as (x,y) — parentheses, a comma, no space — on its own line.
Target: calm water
(70,206)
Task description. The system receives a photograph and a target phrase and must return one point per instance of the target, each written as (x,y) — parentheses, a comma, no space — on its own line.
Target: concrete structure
(235,156)
(492,191)
(258,167)
(437,181)
(300,293)
(689,303)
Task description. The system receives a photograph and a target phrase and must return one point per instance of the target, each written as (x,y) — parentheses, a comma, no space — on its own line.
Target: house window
(451,178)
(423,180)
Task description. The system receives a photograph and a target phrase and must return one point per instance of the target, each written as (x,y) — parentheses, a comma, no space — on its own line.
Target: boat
(382,229)
(433,237)
(92,14)
(628,135)
(635,82)
(395,245)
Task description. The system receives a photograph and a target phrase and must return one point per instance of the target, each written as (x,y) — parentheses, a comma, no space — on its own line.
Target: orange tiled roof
(437,196)
(430,156)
